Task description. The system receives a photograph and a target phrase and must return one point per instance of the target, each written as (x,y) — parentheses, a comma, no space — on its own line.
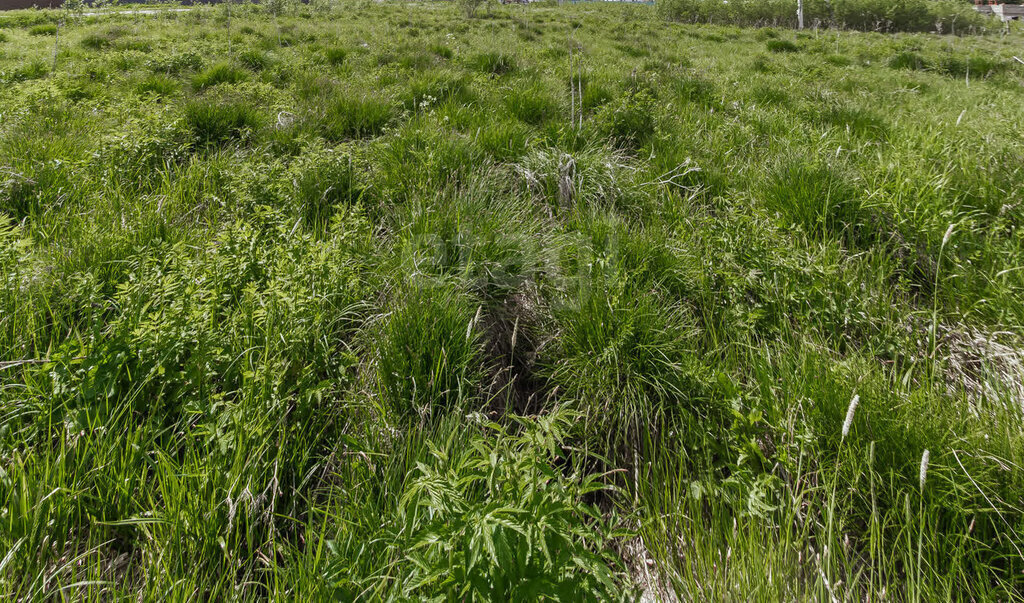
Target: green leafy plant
(498,519)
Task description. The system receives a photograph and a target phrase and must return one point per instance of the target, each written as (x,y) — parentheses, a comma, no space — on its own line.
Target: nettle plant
(505,519)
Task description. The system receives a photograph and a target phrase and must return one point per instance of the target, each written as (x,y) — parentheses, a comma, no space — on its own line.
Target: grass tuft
(218,73)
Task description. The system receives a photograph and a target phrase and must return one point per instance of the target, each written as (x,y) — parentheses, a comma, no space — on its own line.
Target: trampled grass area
(364,301)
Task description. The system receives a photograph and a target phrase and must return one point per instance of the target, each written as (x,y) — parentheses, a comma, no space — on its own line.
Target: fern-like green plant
(505,519)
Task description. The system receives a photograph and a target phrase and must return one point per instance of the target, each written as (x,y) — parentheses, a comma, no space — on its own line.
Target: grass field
(360,301)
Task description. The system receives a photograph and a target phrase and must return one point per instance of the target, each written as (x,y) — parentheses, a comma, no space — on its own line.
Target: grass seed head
(850,410)
(925,457)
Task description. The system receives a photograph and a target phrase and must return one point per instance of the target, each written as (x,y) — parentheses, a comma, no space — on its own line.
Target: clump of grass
(629,121)
(428,353)
(323,182)
(255,60)
(696,89)
(335,55)
(973,66)
(219,73)
(495,63)
(352,116)
(32,70)
(907,60)
(596,94)
(158,84)
(818,198)
(215,121)
(97,41)
(857,120)
(504,140)
(43,29)
(771,95)
(442,51)
(781,46)
(531,104)
(435,88)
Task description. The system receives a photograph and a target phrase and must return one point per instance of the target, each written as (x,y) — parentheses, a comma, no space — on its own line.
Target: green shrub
(219,73)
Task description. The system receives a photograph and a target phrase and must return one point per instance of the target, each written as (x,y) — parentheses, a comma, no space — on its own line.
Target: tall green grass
(362,302)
